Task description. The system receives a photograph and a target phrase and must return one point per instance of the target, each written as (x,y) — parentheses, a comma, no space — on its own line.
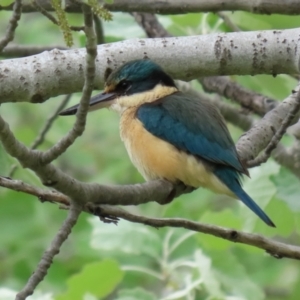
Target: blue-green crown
(140,75)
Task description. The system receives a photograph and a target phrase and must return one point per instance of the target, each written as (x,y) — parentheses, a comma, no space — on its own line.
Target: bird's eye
(124,85)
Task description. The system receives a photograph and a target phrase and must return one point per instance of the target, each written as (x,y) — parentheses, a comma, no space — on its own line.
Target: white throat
(159,91)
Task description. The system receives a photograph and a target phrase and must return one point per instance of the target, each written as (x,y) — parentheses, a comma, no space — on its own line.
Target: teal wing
(192,125)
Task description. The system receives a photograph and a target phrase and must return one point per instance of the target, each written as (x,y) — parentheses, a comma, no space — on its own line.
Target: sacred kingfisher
(172,135)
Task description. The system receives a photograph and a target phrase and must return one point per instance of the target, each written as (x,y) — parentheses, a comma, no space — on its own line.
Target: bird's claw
(96,210)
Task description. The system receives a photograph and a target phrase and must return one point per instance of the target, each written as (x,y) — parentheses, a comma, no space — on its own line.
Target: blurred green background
(131,261)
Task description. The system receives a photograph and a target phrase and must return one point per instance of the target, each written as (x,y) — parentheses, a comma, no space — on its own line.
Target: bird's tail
(248,201)
(230,178)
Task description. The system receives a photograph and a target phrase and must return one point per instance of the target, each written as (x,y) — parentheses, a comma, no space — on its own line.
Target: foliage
(62,22)
(131,261)
(100,11)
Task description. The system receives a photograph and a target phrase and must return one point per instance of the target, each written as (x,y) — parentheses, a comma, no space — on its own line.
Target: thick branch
(258,137)
(263,157)
(53,73)
(289,7)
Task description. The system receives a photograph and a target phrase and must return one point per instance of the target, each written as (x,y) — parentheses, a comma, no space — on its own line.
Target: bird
(172,135)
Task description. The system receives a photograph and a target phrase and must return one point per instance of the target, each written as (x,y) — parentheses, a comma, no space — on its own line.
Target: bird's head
(133,84)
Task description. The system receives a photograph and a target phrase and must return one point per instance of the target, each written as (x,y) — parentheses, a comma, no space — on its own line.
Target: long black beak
(96,102)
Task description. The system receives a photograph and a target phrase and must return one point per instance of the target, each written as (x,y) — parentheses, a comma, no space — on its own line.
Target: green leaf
(234,278)
(127,237)
(98,279)
(135,294)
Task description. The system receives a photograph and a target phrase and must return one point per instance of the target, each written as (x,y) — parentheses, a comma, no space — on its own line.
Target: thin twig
(248,99)
(276,249)
(51,17)
(41,136)
(44,12)
(263,157)
(13,24)
(150,24)
(79,126)
(47,258)
(99,30)
(42,194)
(228,22)
(22,51)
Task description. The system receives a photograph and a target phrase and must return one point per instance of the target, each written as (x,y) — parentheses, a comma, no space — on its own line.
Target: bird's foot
(178,189)
(104,217)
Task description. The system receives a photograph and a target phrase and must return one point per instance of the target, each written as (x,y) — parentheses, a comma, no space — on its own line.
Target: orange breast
(158,159)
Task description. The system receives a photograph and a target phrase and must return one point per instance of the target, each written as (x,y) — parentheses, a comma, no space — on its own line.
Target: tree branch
(79,126)
(150,24)
(248,99)
(22,51)
(50,17)
(42,194)
(61,72)
(259,136)
(228,22)
(13,24)
(289,158)
(47,258)
(41,136)
(99,30)
(274,248)
(289,7)
(263,157)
